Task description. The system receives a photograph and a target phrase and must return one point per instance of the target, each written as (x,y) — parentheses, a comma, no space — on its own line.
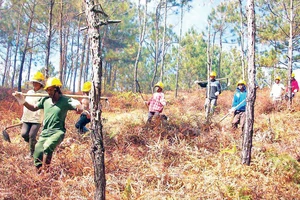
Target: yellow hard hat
(277,78)
(52,82)
(159,84)
(241,82)
(213,73)
(87,86)
(38,77)
(293,75)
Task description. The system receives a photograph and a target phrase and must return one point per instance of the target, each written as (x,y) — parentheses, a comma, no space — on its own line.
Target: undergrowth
(182,158)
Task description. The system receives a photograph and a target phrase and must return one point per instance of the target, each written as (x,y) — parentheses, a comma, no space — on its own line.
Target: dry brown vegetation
(185,159)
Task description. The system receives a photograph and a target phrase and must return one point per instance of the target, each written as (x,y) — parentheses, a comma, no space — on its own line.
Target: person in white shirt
(32,120)
(276,91)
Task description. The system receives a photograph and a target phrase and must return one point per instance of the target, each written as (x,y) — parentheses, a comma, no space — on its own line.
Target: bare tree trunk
(141,40)
(60,70)
(242,40)
(220,54)
(16,50)
(87,60)
(30,61)
(157,18)
(77,56)
(7,62)
(65,53)
(208,64)
(26,45)
(81,62)
(179,50)
(49,37)
(251,95)
(290,54)
(163,44)
(97,152)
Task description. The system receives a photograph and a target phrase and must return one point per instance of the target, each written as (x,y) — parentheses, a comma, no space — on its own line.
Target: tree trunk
(81,62)
(49,37)
(60,70)
(16,50)
(163,44)
(290,53)
(251,95)
(25,46)
(157,18)
(97,152)
(77,56)
(7,62)
(142,34)
(242,40)
(179,50)
(65,53)
(87,60)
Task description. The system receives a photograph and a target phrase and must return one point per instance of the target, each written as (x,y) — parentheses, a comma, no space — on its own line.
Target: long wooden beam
(67,95)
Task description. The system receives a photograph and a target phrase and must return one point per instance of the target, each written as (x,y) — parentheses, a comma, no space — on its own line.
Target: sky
(196,17)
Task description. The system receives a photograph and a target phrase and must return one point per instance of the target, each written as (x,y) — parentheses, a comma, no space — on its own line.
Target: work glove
(217,93)
(20,98)
(295,90)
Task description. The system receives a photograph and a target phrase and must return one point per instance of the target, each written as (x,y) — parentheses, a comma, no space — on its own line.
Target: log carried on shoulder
(67,95)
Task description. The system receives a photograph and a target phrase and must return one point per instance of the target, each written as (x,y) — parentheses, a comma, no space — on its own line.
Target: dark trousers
(29,132)
(82,122)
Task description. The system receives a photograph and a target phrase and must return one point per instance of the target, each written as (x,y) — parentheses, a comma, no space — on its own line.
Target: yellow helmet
(52,82)
(159,84)
(213,73)
(38,77)
(293,75)
(241,82)
(87,86)
(277,78)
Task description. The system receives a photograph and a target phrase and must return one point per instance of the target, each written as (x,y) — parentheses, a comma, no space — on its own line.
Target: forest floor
(184,159)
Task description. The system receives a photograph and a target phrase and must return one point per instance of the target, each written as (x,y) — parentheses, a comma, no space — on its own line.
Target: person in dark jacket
(239,105)
(212,93)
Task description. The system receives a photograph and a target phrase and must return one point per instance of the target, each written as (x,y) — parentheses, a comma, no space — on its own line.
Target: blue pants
(80,124)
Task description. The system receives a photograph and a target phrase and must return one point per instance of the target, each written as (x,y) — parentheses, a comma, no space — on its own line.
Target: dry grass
(185,159)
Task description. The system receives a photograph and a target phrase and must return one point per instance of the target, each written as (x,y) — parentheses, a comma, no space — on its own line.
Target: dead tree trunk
(251,96)
(142,30)
(49,37)
(93,13)
(97,152)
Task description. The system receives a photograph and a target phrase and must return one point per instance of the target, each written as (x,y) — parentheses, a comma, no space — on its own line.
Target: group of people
(239,99)
(278,89)
(213,90)
(49,112)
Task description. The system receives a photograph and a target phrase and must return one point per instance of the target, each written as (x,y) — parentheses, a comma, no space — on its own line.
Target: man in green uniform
(55,108)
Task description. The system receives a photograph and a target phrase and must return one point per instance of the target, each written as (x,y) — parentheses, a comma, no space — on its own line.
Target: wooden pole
(67,95)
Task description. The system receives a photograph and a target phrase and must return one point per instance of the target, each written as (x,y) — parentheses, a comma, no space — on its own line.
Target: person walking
(276,92)
(239,105)
(157,102)
(85,116)
(212,94)
(31,121)
(55,108)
